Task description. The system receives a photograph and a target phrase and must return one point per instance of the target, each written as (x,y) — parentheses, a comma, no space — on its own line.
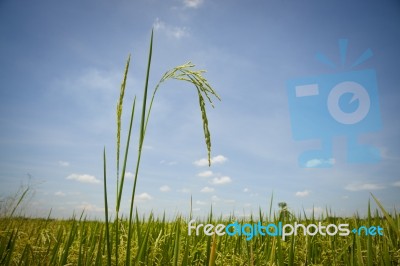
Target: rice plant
(185,72)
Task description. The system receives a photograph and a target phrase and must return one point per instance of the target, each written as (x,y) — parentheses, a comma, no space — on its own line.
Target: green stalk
(388,217)
(141,139)
(19,201)
(369,240)
(126,156)
(106,211)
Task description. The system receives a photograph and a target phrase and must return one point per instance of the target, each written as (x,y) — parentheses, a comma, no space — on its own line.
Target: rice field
(150,240)
(157,241)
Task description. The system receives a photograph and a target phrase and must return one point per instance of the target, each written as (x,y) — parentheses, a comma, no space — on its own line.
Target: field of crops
(157,241)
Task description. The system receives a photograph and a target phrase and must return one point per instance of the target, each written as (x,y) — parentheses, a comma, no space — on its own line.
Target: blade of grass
(19,201)
(177,240)
(388,217)
(369,240)
(106,210)
(141,139)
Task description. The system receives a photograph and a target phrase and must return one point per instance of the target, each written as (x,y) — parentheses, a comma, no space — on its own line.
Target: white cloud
(201,162)
(366,186)
(63,163)
(84,178)
(148,147)
(178,32)
(199,202)
(214,160)
(230,201)
(129,175)
(90,207)
(396,184)
(60,194)
(245,190)
(144,197)
(317,162)
(221,180)
(317,210)
(192,3)
(215,198)
(219,159)
(91,80)
(158,24)
(95,79)
(207,189)
(304,193)
(168,163)
(170,31)
(165,188)
(184,190)
(205,174)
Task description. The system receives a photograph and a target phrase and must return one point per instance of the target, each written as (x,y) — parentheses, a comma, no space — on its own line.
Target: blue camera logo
(340,104)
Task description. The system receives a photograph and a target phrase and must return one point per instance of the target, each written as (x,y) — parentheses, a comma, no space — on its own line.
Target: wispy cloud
(129,175)
(90,179)
(215,198)
(304,193)
(316,210)
(148,147)
(245,190)
(184,190)
(170,31)
(205,174)
(90,80)
(144,197)
(318,162)
(221,180)
(365,186)
(59,194)
(207,189)
(165,188)
(168,163)
(63,163)
(219,159)
(199,202)
(192,3)
(396,184)
(90,207)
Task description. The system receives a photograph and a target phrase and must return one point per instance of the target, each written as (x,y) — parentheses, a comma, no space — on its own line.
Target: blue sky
(62,65)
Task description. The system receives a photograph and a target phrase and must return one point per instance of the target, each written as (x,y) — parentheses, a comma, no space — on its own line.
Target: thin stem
(142,135)
(106,210)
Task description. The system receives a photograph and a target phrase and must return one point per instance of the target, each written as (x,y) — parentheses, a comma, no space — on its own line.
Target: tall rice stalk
(183,72)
